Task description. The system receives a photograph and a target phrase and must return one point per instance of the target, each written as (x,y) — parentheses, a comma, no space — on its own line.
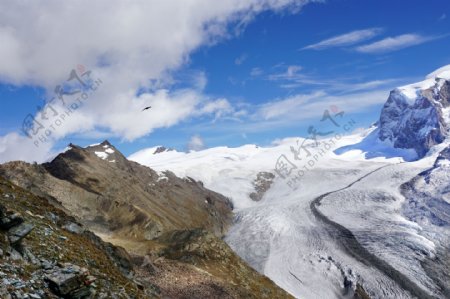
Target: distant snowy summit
(415,118)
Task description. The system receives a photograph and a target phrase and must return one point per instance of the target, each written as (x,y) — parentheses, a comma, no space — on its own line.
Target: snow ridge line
(349,242)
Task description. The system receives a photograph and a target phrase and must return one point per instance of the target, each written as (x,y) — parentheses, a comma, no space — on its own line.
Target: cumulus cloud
(346,39)
(195,143)
(132,46)
(135,40)
(17,147)
(390,44)
(218,108)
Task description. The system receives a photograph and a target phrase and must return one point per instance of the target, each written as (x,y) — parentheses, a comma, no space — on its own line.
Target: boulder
(17,233)
(63,283)
(70,281)
(73,228)
(9,219)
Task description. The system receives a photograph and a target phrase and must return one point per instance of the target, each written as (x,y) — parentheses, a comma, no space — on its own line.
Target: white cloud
(390,44)
(367,85)
(346,39)
(306,106)
(241,59)
(283,107)
(292,78)
(17,147)
(293,111)
(133,46)
(443,17)
(127,120)
(291,73)
(256,71)
(140,38)
(292,70)
(195,143)
(218,108)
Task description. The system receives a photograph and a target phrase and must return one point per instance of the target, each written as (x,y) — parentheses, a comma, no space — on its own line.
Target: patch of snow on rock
(102,155)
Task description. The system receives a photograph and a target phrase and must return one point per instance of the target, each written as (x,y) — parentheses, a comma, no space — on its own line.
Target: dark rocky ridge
(120,197)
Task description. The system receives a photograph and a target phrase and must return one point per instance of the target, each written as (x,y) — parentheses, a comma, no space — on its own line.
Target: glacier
(371,214)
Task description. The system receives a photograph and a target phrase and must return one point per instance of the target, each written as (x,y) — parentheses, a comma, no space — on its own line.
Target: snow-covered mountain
(347,221)
(280,236)
(416,116)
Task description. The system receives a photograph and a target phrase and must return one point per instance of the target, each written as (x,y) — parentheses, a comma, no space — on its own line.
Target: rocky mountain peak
(106,142)
(103,154)
(415,116)
(121,197)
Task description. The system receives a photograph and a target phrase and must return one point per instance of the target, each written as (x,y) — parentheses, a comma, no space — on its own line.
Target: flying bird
(146,108)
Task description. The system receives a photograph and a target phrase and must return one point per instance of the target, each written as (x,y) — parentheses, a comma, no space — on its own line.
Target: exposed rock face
(162,149)
(413,117)
(262,184)
(444,94)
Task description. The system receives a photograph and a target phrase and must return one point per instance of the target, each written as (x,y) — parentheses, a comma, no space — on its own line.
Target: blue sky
(269,73)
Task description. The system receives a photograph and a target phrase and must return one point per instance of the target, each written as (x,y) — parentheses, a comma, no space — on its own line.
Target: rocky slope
(45,253)
(117,197)
(416,116)
(172,227)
